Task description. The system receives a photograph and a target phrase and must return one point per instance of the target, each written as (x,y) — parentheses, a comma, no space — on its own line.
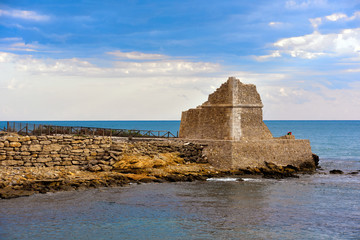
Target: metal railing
(22,128)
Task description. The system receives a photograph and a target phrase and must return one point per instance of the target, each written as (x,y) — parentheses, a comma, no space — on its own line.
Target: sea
(314,206)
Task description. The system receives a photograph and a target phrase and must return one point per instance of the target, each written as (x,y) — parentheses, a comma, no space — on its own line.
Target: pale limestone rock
(12,138)
(24,139)
(15,144)
(52,147)
(35,148)
(43,159)
(11,163)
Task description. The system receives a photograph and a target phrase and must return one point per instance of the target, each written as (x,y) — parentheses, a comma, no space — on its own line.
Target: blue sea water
(319,206)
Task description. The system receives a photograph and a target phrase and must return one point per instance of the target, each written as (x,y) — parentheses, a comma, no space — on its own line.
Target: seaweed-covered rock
(316,160)
(336,171)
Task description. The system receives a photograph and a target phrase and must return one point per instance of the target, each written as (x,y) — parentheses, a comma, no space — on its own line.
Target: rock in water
(336,171)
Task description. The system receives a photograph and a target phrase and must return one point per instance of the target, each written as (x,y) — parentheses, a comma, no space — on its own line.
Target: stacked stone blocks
(50,151)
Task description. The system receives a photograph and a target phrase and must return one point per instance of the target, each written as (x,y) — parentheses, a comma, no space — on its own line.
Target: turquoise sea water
(319,206)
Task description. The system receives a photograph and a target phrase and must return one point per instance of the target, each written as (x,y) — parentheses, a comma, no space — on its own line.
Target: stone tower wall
(200,123)
(256,153)
(232,112)
(252,124)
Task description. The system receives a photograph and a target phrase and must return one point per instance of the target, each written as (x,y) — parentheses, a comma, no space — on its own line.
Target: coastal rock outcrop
(40,164)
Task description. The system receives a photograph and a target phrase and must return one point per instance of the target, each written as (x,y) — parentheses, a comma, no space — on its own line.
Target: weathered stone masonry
(50,151)
(232,112)
(85,152)
(230,123)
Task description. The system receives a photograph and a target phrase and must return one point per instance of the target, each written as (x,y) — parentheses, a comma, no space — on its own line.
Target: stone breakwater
(40,164)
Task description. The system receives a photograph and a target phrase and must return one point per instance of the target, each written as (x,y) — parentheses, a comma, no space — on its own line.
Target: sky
(153,59)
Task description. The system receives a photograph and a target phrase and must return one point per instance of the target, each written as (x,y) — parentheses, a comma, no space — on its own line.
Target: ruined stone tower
(232,112)
(231,127)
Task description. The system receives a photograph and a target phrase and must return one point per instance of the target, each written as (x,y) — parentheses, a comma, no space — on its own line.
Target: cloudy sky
(152,59)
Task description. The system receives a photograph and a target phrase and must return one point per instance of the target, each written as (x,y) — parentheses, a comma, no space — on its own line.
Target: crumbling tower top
(232,112)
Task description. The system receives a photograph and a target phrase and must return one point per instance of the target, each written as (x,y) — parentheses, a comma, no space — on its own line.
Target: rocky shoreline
(26,181)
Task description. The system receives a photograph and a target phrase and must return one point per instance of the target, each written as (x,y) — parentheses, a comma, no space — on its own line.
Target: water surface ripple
(312,207)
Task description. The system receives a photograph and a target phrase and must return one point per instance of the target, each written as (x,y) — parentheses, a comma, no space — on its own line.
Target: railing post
(27,126)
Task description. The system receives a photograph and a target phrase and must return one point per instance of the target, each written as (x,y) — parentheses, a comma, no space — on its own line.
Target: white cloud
(21,46)
(344,43)
(279,25)
(354,70)
(17,44)
(10,39)
(325,103)
(23,14)
(77,67)
(274,54)
(275,24)
(301,4)
(78,89)
(137,55)
(336,16)
(7,57)
(14,84)
(316,22)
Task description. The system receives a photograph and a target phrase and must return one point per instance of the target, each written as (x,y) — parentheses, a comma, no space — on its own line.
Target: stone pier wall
(87,152)
(102,153)
(50,151)
(256,153)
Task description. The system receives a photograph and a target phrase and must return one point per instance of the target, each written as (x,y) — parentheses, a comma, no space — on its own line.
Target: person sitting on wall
(289,133)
